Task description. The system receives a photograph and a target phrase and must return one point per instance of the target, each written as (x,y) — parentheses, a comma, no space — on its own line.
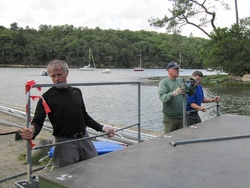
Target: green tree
(110,48)
(6,43)
(197,13)
(229,49)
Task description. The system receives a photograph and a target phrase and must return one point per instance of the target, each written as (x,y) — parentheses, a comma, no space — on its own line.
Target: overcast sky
(106,14)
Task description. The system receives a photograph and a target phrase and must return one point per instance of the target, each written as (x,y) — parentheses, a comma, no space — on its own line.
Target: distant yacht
(180,69)
(139,68)
(89,67)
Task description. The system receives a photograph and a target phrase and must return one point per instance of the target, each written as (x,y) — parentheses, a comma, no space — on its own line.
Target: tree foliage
(110,48)
(230,49)
(198,13)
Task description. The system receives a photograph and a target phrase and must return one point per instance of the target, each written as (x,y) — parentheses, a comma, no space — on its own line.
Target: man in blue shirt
(194,101)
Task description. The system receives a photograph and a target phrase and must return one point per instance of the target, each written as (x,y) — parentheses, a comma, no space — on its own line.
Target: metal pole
(182,142)
(79,139)
(139,112)
(236,12)
(184,107)
(217,103)
(28,118)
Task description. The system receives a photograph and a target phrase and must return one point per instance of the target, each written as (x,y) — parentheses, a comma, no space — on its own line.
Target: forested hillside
(110,48)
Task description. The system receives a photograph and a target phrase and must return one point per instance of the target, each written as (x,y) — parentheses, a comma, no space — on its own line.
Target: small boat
(106,71)
(44,73)
(139,68)
(89,67)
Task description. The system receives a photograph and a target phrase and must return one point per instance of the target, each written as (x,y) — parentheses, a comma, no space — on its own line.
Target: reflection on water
(117,104)
(235,102)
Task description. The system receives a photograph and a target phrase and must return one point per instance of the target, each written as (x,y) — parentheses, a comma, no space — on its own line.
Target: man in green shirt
(171,92)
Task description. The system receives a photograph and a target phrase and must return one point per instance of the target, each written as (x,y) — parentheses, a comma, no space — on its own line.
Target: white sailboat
(89,67)
(139,68)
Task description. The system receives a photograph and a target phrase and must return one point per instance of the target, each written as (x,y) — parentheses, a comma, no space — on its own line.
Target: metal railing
(138,124)
(28,115)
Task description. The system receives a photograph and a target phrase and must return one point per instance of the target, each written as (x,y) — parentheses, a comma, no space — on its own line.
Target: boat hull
(86,69)
(138,69)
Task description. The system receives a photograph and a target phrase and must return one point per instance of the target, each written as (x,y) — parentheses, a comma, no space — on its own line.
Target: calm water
(115,104)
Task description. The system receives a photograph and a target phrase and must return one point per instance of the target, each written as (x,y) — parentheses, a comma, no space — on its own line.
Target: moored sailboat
(180,69)
(89,67)
(139,68)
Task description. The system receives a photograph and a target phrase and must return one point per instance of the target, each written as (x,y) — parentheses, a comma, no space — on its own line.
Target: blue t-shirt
(197,98)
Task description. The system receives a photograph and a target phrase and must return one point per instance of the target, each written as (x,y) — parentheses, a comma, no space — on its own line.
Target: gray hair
(54,63)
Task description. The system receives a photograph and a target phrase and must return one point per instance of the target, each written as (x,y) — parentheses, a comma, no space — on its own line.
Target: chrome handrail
(28,115)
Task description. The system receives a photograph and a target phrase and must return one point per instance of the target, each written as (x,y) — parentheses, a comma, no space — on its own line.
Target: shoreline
(245,79)
(225,81)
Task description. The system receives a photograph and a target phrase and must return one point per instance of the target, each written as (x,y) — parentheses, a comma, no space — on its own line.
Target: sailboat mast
(89,55)
(139,68)
(180,59)
(140,59)
(92,57)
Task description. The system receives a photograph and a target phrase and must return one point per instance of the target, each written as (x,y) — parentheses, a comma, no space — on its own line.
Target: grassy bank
(225,81)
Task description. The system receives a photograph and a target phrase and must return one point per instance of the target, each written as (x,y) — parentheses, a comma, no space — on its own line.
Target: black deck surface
(157,164)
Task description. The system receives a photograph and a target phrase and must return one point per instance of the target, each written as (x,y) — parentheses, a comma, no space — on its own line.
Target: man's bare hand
(109,131)
(27,133)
